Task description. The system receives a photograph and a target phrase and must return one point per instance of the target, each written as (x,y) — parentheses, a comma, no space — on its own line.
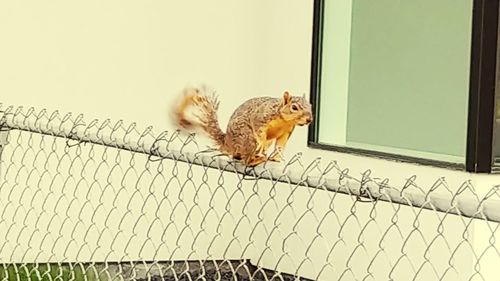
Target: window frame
(482,93)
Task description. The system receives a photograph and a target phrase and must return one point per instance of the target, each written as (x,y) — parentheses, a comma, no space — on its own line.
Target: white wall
(128,60)
(124,60)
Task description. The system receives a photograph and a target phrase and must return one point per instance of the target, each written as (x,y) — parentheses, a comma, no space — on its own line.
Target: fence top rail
(319,174)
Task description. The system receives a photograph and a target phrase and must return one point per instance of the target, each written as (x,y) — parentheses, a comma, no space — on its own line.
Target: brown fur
(252,128)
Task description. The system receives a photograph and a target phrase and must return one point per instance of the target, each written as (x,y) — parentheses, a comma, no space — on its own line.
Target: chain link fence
(98,200)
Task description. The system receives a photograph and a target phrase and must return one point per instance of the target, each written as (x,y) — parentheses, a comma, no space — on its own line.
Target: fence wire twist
(109,201)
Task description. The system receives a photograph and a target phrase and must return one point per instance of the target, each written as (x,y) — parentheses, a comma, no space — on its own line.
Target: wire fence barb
(107,200)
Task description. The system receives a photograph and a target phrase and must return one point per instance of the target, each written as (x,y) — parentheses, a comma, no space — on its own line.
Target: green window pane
(407,85)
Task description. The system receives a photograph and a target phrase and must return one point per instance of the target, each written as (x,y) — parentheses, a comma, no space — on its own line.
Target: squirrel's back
(256,108)
(240,139)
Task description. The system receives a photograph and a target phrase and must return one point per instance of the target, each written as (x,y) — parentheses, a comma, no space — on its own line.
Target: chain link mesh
(110,201)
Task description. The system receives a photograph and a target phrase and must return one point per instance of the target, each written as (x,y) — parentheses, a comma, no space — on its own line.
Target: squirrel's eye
(294,107)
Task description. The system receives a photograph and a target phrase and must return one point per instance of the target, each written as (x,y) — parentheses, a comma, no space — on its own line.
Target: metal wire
(111,201)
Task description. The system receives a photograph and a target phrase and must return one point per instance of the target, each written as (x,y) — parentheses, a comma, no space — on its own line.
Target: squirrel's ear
(286,97)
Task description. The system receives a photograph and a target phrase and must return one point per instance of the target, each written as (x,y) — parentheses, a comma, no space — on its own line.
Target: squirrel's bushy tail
(197,109)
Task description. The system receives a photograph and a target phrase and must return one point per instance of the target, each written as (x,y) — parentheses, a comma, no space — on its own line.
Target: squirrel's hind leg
(256,160)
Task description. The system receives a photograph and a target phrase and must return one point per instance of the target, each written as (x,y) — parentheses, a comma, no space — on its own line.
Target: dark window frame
(481,108)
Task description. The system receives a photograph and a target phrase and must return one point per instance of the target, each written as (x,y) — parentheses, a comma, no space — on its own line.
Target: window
(407,80)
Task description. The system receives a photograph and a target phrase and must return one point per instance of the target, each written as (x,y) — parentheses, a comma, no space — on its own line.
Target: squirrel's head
(296,109)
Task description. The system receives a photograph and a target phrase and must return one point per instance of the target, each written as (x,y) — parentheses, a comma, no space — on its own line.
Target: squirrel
(252,128)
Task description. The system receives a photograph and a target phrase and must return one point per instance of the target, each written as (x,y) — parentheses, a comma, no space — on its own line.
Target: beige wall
(129,59)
